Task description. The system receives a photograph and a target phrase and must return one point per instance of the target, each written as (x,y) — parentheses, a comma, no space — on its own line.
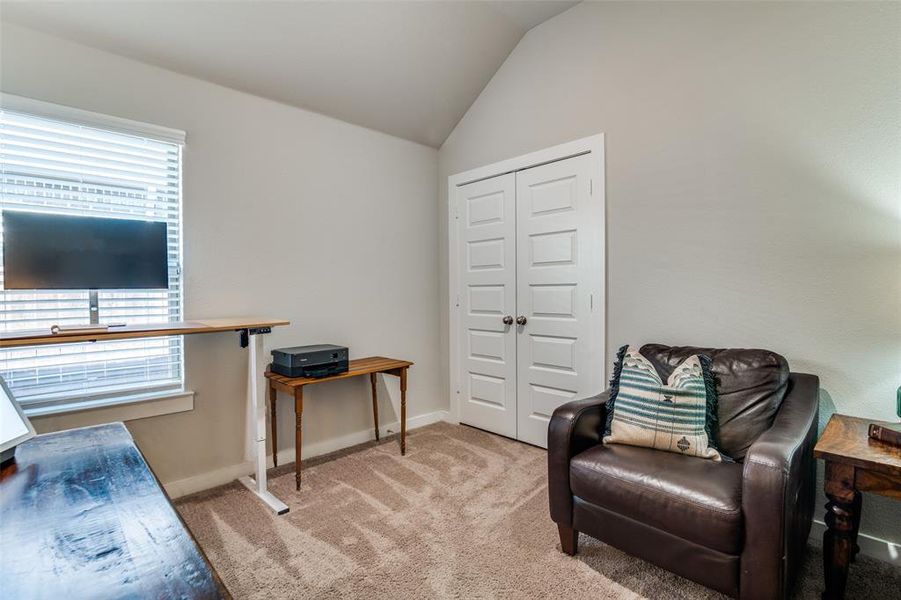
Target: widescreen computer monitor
(44,251)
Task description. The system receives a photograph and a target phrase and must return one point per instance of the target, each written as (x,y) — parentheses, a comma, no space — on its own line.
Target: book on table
(886,433)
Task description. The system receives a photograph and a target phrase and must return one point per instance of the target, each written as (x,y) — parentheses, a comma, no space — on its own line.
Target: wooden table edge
(834,454)
(858,464)
(286,384)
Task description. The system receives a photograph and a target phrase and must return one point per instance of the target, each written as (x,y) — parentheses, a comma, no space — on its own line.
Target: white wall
(753,178)
(287,213)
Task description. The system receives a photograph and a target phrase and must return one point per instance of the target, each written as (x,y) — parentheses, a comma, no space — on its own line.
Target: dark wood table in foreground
(82,516)
(854,464)
(371,366)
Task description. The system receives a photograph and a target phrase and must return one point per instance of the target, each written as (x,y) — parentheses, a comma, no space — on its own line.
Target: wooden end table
(854,464)
(371,366)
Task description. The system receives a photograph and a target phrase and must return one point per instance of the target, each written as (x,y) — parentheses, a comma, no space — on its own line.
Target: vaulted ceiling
(410,69)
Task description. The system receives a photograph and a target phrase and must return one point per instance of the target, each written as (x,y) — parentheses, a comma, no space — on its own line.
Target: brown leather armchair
(740,528)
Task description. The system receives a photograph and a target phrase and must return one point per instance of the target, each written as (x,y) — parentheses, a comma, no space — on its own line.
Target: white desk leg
(257,424)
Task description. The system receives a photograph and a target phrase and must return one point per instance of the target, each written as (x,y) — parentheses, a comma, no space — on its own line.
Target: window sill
(119,408)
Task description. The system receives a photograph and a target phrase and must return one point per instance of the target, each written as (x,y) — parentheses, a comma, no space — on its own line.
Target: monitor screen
(61,252)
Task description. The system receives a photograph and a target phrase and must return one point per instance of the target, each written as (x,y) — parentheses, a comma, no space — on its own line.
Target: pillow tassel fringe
(712,425)
(614,388)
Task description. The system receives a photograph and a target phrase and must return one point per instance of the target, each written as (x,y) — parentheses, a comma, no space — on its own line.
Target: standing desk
(250,330)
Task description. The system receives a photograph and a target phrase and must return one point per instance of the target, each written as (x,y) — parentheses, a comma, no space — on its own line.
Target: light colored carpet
(463,515)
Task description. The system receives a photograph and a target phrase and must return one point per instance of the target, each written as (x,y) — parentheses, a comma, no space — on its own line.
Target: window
(59,160)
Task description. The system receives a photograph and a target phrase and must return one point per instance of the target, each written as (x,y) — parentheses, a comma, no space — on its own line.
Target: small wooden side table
(854,464)
(371,366)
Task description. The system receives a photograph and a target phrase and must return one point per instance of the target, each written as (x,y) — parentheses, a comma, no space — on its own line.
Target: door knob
(508,320)
(521,320)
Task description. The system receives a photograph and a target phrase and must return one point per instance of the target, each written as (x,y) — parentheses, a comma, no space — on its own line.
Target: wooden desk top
(358,366)
(845,440)
(83,516)
(38,337)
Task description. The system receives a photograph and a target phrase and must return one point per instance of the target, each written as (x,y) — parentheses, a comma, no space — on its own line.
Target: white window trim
(118,408)
(53,403)
(116,405)
(48,110)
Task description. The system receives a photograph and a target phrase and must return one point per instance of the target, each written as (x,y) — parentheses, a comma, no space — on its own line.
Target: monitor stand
(94,306)
(94,312)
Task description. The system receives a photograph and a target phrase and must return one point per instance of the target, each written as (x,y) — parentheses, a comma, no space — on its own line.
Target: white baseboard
(211,479)
(205,481)
(286,455)
(872,546)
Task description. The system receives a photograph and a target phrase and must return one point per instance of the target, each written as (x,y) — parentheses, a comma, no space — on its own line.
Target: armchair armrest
(574,427)
(778,493)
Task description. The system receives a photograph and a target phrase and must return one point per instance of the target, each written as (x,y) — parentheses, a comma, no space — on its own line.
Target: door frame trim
(592,145)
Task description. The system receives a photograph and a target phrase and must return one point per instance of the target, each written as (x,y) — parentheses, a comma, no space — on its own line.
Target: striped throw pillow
(678,415)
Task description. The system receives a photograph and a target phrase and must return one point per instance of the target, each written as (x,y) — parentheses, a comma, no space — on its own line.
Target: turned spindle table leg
(842,520)
(855,515)
(298,432)
(373,381)
(403,411)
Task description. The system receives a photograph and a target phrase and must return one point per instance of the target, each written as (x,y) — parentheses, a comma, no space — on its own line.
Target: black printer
(319,360)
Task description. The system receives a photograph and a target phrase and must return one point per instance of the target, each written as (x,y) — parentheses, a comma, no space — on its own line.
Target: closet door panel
(559,269)
(487,225)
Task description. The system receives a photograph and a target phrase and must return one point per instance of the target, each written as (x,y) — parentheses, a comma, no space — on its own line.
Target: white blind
(51,166)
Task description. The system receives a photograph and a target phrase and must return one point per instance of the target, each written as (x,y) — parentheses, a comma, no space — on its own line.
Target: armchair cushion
(695,499)
(751,385)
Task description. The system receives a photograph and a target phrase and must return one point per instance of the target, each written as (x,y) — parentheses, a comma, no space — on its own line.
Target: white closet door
(487,226)
(560,241)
